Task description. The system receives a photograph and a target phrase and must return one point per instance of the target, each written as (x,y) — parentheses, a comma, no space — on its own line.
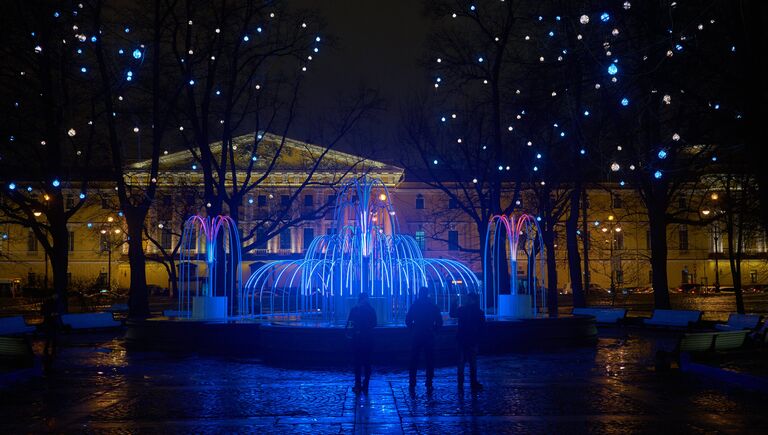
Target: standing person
(471,324)
(423,319)
(362,319)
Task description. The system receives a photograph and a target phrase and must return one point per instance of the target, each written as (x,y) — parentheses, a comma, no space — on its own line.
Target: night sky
(378,45)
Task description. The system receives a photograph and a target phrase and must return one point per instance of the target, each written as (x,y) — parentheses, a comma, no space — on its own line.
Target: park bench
(699,344)
(118,308)
(603,315)
(175,313)
(14,325)
(673,318)
(737,322)
(89,321)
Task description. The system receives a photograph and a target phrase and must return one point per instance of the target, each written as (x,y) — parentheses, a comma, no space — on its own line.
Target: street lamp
(612,227)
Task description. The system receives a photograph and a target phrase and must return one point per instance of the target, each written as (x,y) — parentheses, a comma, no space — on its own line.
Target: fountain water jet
(515,235)
(364,252)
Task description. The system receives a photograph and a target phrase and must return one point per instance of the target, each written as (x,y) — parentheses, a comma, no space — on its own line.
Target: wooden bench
(603,315)
(737,322)
(701,343)
(16,352)
(90,321)
(673,318)
(14,326)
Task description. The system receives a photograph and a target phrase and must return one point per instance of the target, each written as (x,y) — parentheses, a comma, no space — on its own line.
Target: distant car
(691,289)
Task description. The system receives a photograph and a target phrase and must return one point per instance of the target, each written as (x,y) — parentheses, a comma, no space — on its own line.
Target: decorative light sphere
(627,5)
(434,162)
(135,129)
(667,99)
(613,69)
(56,182)
(71,132)
(584,19)
(625,102)
(605,17)
(615,167)
(38,49)
(675,137)
(474,180)
(137,54)
(82,196)
(662,154)
(657,175)
(12,186)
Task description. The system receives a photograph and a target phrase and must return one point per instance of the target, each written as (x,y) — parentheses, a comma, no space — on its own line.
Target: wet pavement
(611,388)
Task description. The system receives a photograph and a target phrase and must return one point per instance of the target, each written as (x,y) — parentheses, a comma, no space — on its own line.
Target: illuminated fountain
(365,252)
(516,236)
(210,279)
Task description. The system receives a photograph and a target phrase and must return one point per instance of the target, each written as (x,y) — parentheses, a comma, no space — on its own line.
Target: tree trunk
(59,266)
(572,243)
(138,298)
(657,223)
(585,241)
(551,260)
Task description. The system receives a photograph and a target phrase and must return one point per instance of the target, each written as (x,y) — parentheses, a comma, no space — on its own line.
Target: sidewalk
(608,389)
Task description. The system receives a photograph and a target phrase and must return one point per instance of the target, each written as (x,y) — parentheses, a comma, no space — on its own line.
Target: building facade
(616,226)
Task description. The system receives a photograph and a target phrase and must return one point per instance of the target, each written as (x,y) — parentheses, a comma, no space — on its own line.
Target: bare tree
(47,120)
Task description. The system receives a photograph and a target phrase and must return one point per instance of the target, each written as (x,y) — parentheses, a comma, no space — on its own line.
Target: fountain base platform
(321,344)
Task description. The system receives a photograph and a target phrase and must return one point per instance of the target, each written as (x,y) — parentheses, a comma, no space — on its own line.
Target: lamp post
(612,227)
(107,231)
(716,237)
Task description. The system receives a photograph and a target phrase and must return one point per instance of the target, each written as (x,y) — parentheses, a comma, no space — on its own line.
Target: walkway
(608,389)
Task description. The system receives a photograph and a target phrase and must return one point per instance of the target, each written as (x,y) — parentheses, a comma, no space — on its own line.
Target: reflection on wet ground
(610,388)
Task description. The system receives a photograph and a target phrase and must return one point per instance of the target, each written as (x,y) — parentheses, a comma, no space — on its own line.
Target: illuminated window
(419,202)
(421,240)
(71,241)
(309,200)
(617,201)
(31,241)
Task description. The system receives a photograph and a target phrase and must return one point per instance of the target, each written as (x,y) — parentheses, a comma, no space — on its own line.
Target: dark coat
(362,318)
(471,323)
(423,317)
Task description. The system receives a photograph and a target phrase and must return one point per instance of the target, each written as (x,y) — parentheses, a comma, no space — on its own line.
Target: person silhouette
(471,321)
(362,319)
(423,319)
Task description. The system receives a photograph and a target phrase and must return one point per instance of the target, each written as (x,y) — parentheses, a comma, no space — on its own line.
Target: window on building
(71,241)
(104,242)
(70,202)
(31,241)
(285,238)
(309,200)
(619,240)
(453,203)
(261,239)
(309,235)
(453,240)
(261,200)
(753,276)
(166,239)
(105,203)
(419,202)
(331,199)
(617,201)
(421,240)
(619,276)
(285,200)
(682,236)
